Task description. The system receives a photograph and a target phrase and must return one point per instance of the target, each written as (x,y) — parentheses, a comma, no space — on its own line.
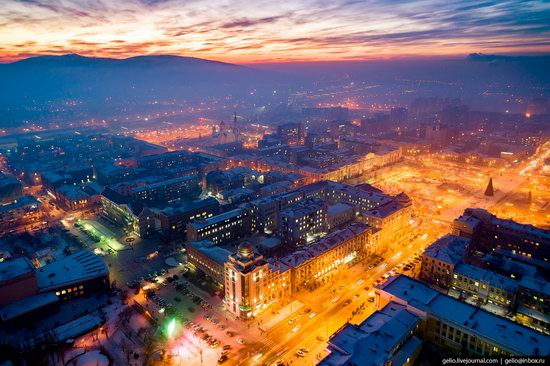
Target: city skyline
(276,183)
(255,32)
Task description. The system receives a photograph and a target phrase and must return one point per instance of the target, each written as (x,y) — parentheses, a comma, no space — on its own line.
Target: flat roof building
(387,337)
(459,327)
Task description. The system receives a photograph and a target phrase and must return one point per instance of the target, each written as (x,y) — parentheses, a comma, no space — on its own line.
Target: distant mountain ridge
(73,59)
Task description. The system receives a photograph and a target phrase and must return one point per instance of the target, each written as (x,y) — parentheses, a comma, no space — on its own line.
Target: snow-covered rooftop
(325,244)
(480,274)
(14,268)
(523,340)
(449,249)
(78,267)
(374,341)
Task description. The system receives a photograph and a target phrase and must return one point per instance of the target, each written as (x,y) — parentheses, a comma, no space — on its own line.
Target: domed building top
(245,250)
(403,199)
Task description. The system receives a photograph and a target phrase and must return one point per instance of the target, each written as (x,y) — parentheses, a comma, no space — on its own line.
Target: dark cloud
(245,22)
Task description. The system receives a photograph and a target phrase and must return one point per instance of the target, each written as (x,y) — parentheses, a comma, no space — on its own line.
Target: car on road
(279,363)
(226,347)
(312,315)
(304,349)
(291,321)
(348,301)
(296,328)
(230,333)
(300,353)
(336,299)
(222,358)
(240,340)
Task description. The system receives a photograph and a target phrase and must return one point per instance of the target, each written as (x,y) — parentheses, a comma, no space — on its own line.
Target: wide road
(331,311)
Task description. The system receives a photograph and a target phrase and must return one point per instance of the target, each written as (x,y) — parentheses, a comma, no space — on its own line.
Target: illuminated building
(533,303)
(264,212)
(130,215)
(364,197)
(252,284)
(23,211)
(238,177)
(291,133)
(441,257)
(25,288)
(167,190)
(167,160)
(223,228)
(348,167)
(319,262)
(174,219)
(506,238)
(393,219)
(208,258)
(484,286)
(458,327)
(74,198)
(301,222)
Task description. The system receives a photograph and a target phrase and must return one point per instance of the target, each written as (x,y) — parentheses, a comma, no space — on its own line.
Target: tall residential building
(291,133)
(264,212)
(301,222)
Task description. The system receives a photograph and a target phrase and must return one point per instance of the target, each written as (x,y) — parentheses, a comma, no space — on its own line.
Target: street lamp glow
(171,327)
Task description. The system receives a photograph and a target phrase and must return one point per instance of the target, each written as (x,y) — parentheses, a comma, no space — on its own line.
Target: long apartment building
(224,228)
(167,190)
(318,262)
(508,238)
